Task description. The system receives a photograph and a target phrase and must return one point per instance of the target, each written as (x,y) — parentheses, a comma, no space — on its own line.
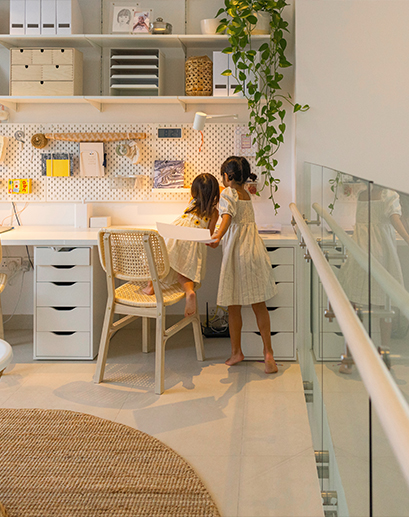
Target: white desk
(282,315)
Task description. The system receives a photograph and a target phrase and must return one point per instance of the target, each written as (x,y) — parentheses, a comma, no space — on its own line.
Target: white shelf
(99,101)
(125,40)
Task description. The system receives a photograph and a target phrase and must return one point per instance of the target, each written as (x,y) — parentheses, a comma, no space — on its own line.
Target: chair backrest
(129,259)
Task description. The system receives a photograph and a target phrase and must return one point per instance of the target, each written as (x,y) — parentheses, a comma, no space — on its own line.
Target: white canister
(209,25)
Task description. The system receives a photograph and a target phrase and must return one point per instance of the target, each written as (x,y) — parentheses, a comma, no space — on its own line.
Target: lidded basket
(199,76)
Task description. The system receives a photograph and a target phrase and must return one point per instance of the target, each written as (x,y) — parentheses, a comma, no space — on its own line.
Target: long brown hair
(237,169)
(205,193)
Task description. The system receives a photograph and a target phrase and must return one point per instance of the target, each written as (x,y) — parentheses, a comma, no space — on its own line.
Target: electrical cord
(19,223)
(18,301)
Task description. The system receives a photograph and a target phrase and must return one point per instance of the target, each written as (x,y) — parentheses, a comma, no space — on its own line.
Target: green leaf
(221,28)
(226,72)
(280,138)
(252,19)
(263,47)
(227,50)
(239,88)
(281,127)
(281,114)
(219,12)
(275,162)
(297,107)
(242,76)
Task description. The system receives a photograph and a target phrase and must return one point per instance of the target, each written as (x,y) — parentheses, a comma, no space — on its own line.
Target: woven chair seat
(131,294)
(3,281)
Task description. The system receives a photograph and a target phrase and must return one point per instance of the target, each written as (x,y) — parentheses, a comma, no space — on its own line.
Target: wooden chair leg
(1,322)
(198,337)
(160,343)
(104,343)
(145,335)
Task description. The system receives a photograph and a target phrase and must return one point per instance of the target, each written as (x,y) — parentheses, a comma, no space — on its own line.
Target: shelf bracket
(97,104)
(183,104)
(10,105)
(93,44)
(7,45)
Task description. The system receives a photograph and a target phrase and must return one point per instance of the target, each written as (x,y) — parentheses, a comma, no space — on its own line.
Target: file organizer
(136,71)
(17,17)
(220,82)
(33,15)
(48,17)
(69,17)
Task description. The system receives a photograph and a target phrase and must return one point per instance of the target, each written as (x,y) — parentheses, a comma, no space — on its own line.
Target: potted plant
(258,72)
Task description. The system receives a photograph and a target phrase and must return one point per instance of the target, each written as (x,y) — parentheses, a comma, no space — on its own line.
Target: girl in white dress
(246,276)
(187,258)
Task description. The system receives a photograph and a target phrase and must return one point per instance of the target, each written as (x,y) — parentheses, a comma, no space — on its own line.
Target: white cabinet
(281,308)
(69,302)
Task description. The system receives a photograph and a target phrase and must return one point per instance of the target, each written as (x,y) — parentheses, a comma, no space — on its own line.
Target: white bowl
(263,23)
(209,25)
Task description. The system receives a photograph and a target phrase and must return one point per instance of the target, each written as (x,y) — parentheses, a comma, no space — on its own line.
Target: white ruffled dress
(187,257)
(246,274)
(352,277)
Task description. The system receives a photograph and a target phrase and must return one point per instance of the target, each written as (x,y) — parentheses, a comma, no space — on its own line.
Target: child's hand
(215,243)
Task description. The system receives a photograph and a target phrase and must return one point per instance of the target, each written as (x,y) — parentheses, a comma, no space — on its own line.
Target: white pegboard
(123,181)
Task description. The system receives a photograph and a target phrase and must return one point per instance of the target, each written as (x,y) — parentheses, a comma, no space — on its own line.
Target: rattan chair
(3,282)
(138,256)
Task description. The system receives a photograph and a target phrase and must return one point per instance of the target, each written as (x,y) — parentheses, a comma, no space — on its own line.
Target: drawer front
(283,273)
(63,56)
(283,345)
(72,319)
(57,73)
(49,88)
(281,255)
(21,56)
(281,320)
(52,345)
(62,256)
(42,57)
(26,73)
(63,273)
(63,294)
(284,297)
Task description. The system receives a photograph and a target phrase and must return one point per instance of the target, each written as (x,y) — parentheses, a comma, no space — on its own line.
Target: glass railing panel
(389,248)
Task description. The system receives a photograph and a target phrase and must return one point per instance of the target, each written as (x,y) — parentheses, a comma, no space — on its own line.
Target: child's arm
(213,220)
(226,220)
(398,225)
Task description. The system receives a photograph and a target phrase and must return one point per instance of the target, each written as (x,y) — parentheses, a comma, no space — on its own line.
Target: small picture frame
(122,16)
(141,21)
(169,174)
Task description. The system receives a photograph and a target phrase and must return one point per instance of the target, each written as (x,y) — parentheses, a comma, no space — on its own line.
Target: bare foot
(270,366)
(148,289)
(234,359)
(190,307)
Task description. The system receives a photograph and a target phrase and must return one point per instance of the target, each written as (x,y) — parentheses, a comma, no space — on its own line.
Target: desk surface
(70,236)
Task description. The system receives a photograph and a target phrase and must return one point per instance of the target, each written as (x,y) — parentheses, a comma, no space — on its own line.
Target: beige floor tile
(279,486)
(221,476)
(275,424)
(287,379)
(14,377)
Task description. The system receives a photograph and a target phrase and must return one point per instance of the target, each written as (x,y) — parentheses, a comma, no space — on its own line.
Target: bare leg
(148,289)
(187,286)
(263,323)
(235,324)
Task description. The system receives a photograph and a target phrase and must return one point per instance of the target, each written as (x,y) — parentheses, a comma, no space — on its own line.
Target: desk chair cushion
(3,281)
(131,294)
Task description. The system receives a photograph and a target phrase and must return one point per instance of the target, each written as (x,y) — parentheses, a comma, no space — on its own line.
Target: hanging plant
(257,72)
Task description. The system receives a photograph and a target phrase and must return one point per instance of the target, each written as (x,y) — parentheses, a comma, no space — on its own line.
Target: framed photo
(169,174)
(122,16)
(141,21)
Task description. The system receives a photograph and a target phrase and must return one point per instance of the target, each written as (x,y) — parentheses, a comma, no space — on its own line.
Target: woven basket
(199,76)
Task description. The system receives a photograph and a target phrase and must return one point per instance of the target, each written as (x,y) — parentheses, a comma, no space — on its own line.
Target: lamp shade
(199,122)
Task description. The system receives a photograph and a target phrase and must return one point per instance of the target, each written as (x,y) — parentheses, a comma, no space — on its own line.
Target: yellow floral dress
(186,257)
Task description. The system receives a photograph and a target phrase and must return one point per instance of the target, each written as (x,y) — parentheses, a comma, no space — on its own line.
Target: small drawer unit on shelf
(49,72)
(136,71)
(281,310)
(69,301)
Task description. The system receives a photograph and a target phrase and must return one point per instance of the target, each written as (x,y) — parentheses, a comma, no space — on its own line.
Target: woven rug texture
(61,463)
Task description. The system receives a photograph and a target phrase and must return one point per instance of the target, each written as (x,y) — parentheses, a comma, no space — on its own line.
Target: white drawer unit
(281,309)
(69,302)
(46,72)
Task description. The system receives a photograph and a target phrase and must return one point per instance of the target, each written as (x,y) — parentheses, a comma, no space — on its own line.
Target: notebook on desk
(5,228)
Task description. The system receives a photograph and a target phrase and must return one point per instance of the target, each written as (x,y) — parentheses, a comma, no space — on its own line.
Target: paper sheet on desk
(184,233)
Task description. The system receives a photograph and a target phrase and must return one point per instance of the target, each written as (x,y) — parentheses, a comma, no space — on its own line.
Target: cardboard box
(100,222)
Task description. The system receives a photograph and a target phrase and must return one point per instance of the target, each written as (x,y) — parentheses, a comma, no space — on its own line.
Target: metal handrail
(389,284)
(388,401)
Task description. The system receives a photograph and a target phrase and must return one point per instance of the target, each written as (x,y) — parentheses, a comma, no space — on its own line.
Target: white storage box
(100,222)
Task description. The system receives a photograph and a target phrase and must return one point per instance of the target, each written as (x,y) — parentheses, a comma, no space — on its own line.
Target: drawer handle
(62,250)
(271,309)
(57,66)
(271,333)
(63,308)
(64,283)
(272,249)
(62,333)
(274,265)
(26,66)
(42,50)
(41,82)
(63,267)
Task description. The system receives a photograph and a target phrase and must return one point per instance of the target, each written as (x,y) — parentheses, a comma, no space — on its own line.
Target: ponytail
(237,169)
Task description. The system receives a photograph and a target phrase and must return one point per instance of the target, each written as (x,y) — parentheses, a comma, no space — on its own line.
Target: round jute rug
(62,464)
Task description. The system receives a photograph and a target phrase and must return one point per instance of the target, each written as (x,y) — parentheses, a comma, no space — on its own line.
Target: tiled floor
(245,433)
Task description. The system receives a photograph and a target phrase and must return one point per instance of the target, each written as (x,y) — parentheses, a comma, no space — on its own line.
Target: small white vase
(263,23)
(209,25)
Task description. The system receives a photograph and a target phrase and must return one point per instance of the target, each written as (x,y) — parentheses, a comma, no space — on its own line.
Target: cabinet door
(40,88)
(57,73)
(63,319)
(63,294)
(64,273)
(46,256)
(21,56)
(63,56)
(62,345)
(25,73)
(42,57)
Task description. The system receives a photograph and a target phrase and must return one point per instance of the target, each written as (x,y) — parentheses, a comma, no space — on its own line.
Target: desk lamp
(200,120)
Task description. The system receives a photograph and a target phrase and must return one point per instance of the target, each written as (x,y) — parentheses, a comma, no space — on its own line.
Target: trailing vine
(258,74)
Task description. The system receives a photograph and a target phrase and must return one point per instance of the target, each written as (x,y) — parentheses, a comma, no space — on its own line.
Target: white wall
(352,69)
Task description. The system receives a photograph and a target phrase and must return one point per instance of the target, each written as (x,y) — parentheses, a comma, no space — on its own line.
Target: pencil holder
(199,76)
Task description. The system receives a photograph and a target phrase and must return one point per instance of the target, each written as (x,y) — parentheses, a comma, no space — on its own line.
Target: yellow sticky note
(58,167)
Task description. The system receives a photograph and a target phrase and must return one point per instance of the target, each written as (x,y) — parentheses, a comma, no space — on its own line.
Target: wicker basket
(199,76)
